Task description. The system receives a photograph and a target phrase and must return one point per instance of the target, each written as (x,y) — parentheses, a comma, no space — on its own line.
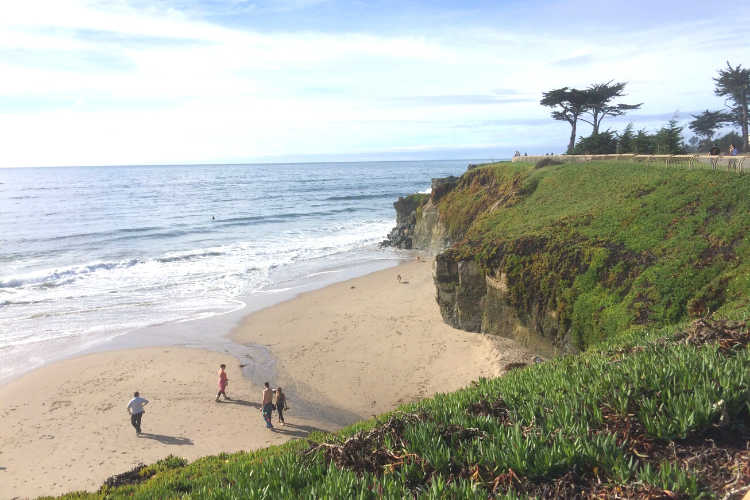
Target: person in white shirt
(135,408)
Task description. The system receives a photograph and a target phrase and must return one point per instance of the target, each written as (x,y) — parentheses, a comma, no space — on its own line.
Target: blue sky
(189,81)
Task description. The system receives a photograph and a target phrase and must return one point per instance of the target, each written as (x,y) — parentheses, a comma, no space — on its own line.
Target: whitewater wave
(56,277)
(283,217)
(229,262)
(187,256)
(358,197)
(92,235)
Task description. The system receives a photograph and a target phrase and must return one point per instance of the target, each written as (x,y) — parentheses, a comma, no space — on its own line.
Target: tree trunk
(572,142)
(743,105)
(596,121)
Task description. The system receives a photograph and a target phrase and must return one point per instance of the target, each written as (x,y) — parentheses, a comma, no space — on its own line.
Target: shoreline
(193,332)
(347,351)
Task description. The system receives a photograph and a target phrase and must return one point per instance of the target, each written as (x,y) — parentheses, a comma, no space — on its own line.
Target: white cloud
(171,88)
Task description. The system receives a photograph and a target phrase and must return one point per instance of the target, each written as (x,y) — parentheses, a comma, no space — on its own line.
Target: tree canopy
(600,105)
(707,123)
(734,84)
(601,144)
(568,105)
(593,104)
(666,140)
(571,104)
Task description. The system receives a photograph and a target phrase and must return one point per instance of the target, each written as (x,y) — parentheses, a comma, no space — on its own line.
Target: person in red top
(223,381)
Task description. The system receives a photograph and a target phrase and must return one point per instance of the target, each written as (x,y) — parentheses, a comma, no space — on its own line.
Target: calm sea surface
(88,254)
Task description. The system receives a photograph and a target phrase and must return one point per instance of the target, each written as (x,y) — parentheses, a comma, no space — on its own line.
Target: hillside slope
(663,414)
(572,254)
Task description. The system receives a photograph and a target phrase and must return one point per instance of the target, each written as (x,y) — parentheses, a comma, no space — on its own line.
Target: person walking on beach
(223,381)
(267,405)
(135,408)
(280,404)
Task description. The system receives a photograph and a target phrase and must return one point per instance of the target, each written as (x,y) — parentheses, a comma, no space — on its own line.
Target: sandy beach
(348,351)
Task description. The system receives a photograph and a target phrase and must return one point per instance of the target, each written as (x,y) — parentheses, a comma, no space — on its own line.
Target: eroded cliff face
(460,288)
(402,236)
(537,331)
(430,233)
(470,299)
(418,224)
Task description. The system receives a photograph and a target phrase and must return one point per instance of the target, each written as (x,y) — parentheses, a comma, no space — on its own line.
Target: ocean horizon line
(262,163)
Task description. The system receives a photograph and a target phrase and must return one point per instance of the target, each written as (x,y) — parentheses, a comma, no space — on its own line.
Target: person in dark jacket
(280,404)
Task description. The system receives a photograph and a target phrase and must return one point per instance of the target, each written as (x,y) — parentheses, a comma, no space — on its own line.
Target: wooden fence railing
(732,163)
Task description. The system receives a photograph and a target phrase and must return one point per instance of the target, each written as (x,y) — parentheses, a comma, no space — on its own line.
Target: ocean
(89,255)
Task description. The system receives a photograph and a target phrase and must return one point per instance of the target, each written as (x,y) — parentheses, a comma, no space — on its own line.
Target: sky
(206,81)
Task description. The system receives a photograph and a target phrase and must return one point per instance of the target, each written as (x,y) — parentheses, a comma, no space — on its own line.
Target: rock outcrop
(402,235)
(460,290)
(468,298)
(429,233)
(418,223)
(471,300)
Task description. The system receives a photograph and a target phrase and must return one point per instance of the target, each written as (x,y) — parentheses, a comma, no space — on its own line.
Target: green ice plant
(553,429)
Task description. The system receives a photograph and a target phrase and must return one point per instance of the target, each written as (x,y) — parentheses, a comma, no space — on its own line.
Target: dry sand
(348,351)
(370,344)
(65,426)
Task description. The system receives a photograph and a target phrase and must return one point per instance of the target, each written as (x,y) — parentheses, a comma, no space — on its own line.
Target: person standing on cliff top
(223,381)
(135,408)
(267,405)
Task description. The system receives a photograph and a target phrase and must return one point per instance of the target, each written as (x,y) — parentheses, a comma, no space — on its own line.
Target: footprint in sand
(56,405)
(46,436)
(104,407)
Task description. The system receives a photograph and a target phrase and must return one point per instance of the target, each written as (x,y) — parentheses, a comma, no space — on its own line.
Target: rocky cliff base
(418,224)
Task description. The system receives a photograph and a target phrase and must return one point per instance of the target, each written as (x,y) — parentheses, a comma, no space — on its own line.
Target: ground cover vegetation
(664,414)
(596,102)
(606,246)
(648,265)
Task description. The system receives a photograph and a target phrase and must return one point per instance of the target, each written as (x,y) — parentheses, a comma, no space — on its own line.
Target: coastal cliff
(558,258)
(418,223)
(402,236)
